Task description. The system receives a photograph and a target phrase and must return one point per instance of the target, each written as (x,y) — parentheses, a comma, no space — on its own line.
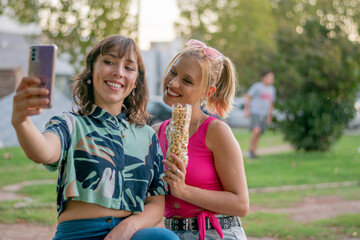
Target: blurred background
(313,46)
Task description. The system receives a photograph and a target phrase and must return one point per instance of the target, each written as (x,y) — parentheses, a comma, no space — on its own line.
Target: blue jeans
(98,228)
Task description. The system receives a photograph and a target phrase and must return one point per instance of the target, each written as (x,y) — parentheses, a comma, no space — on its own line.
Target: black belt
(192,223)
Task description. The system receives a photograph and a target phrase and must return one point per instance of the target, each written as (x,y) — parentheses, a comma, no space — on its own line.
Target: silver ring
(177,171)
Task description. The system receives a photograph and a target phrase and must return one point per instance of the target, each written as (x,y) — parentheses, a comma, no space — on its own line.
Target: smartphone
(42,65)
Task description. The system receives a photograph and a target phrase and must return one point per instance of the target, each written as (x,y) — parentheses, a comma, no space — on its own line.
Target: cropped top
(105,160)
(200,171)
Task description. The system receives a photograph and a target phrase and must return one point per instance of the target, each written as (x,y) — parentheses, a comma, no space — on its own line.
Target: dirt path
(275,149)
(307,210)
(9,193)
(315,208)
(26,231)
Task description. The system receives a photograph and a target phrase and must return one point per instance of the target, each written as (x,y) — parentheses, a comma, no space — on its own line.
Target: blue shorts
(98,228)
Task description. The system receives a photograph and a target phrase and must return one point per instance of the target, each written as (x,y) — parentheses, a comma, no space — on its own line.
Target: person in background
(259,106)
(209,194)
(108,161)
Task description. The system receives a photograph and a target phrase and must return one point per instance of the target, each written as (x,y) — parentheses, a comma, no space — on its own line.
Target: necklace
(196,126)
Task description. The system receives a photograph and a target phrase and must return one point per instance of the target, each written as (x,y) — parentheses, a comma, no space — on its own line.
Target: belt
(192,224)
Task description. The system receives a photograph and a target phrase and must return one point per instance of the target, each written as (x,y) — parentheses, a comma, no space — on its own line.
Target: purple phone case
(42,65)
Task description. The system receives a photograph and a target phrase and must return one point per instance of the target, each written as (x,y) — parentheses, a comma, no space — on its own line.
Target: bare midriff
(82,210)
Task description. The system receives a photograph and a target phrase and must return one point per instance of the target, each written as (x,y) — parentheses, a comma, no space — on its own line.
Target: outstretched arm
(28,101)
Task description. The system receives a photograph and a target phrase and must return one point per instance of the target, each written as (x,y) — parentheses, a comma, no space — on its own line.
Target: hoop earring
(88,81)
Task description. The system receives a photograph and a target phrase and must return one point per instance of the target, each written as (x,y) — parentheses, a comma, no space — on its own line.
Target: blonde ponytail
(222,101)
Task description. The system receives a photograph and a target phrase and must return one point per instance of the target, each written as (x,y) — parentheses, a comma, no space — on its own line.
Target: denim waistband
(110,221)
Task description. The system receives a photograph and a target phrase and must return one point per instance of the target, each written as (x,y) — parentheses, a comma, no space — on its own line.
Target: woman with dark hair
(108,161)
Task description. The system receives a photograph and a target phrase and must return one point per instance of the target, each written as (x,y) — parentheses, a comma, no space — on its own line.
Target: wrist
(131,223)
(185,193)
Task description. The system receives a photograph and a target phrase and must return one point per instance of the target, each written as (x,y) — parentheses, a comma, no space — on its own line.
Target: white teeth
(172,93)
(115,85)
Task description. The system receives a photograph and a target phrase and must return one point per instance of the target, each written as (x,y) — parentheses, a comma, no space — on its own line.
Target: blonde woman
(207,196)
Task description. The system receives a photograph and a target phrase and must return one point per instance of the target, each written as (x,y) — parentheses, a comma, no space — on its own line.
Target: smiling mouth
(172,93)
(114,84)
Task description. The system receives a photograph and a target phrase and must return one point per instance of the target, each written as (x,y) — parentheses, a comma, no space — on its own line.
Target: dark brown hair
(83,95)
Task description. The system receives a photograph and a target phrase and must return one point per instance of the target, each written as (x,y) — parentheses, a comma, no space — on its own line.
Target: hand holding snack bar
(206,79)
(178,133)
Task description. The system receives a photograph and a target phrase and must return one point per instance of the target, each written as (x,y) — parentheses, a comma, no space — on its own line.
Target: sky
(156,21)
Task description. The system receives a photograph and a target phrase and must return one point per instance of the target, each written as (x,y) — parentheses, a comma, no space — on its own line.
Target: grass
(11,213)
(302,168)
(340,164)
(289,198)
(44,193)
(15,167)
(295,168)
(268,139)
(38,206)
(347,224)
(256,223)
(280,226)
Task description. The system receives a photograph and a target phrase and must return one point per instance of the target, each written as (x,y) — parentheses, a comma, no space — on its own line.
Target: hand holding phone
(42,65)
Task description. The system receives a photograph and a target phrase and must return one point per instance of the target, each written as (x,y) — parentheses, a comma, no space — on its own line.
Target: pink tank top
(200,171)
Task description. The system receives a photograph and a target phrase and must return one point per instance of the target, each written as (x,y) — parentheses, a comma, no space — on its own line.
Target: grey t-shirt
(261,98)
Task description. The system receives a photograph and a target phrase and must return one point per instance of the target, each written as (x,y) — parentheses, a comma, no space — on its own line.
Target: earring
(133,92)
(88,81)
(203,103)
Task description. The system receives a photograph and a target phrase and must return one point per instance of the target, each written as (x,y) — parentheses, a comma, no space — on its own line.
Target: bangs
(123,47)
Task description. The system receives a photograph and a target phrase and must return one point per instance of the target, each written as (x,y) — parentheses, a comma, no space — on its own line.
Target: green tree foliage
(75,26)
(313,46)
(318,69)
(241,30)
